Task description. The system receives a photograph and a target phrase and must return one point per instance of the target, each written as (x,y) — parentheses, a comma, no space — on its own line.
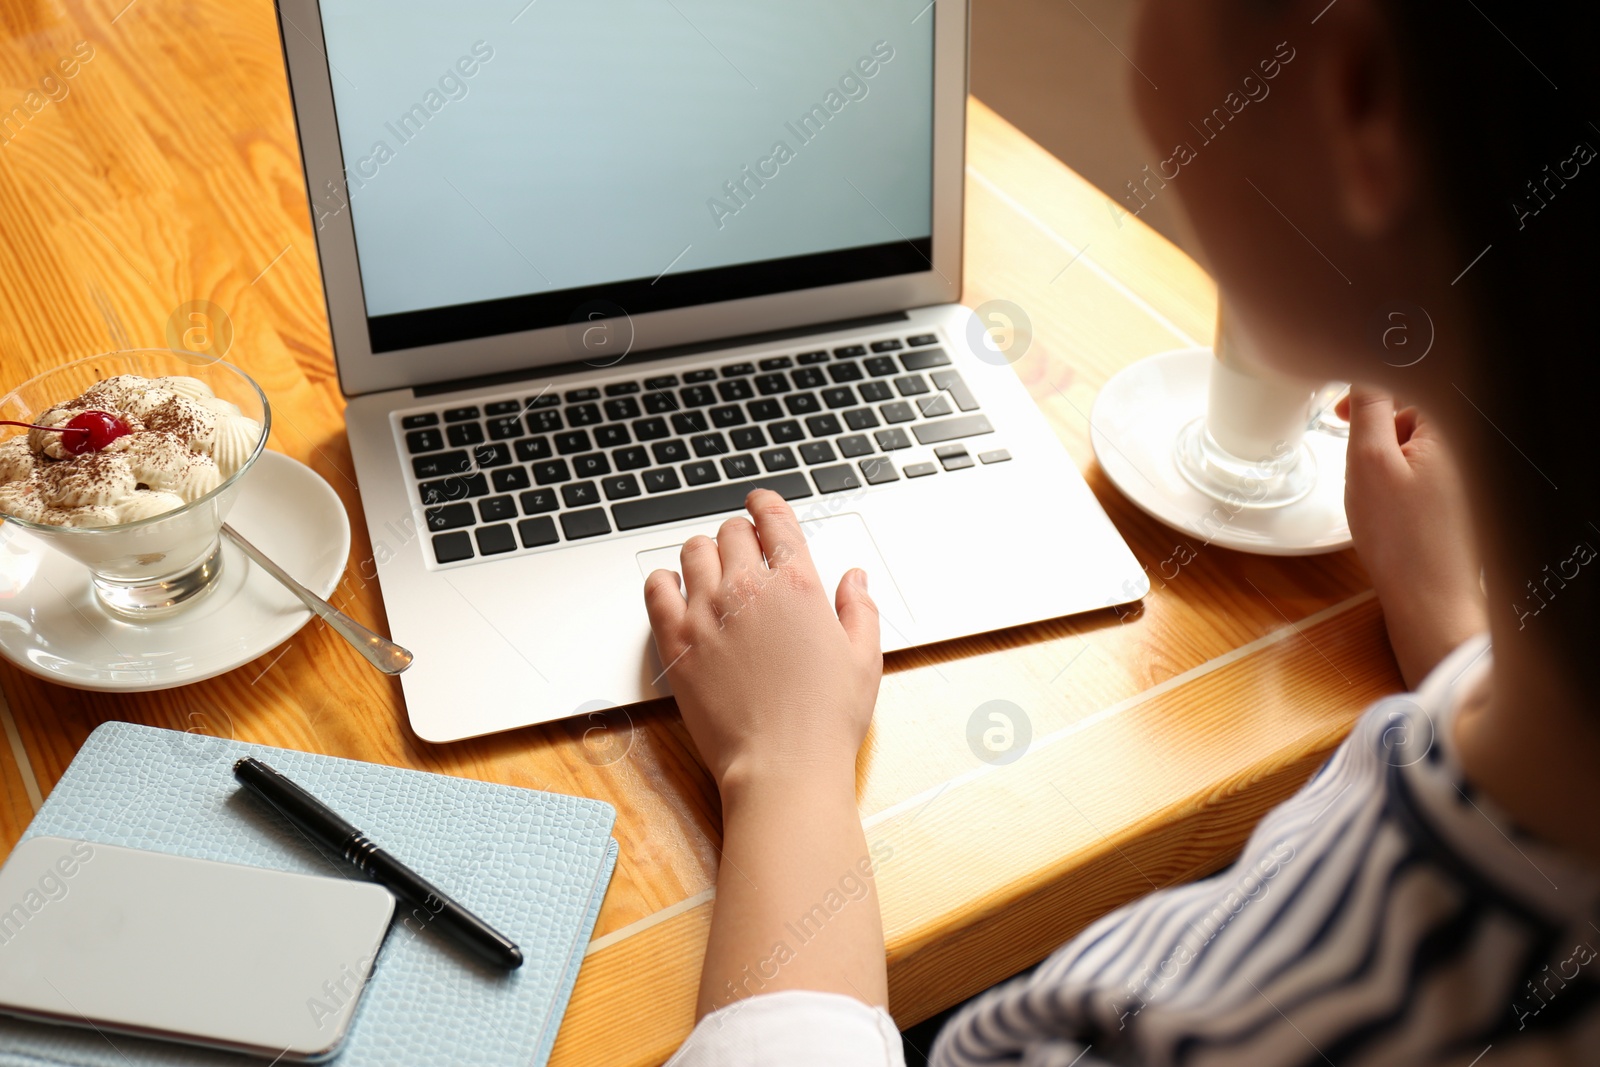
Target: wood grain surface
(162,180)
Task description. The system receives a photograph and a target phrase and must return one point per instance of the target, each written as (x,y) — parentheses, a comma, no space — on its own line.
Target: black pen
(332,832)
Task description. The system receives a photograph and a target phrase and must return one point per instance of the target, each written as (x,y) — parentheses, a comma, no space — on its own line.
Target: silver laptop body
(593,271)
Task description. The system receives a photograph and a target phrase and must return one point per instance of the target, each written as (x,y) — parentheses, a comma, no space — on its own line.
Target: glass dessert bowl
(139,496)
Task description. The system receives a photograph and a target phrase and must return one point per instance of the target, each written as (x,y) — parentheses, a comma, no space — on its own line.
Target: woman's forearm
(797,904)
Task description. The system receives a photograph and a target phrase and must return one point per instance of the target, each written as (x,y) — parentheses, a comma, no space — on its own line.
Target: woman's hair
(1505,96)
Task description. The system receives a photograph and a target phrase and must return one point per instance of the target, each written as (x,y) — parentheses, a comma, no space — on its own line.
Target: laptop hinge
(556,370)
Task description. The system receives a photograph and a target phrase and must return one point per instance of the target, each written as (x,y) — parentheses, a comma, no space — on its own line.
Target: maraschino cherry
(87,431)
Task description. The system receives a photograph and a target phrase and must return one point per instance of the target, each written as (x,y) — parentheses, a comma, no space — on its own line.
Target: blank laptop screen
(507,164)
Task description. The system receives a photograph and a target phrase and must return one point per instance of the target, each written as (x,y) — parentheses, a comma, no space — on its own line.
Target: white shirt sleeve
(794,1028)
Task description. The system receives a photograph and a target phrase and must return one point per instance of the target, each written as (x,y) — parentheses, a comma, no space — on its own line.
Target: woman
(1431,895)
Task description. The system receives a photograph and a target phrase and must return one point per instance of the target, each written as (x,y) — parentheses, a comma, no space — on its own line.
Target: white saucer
(1133,427)
(52,626)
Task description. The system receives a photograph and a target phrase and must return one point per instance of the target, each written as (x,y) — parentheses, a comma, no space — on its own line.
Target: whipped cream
(183,443)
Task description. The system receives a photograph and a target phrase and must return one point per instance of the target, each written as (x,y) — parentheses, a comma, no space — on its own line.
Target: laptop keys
(712,500)
(622,409)
(925,359)
(545,421)
(440,464)
(814,452)
(784,432)
(510,479)
(497,509)
(690,422)
(452,547)
(661,481)
(823,425)
(764,410)
(580,494)
(450,517)
(736,467)
(950,381)
(465,433)
(709,444)
(630,459)
(538,501)
(700,472)
(491,456)
(551,472)
(650,429)
(580,524)
(537,532)
(505,428)
(779,459)
(620,487)
(835,479)
(460,487)
(930,433)
(670,451)
(853,446)
(530,449)
(576,464)
(802,403)
(424,441)
(610,436)
(878,470)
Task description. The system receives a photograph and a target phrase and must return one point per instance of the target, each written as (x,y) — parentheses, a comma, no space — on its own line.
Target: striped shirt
(1386,914)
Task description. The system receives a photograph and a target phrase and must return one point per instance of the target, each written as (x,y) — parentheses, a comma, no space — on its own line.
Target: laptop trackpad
(837,543)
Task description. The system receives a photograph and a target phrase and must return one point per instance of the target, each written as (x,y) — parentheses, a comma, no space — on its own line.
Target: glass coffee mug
(1248,450)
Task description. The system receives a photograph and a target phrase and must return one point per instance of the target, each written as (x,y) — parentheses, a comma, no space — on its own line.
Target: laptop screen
(507,171)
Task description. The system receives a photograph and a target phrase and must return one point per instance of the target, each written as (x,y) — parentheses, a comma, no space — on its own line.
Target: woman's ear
(1360,98)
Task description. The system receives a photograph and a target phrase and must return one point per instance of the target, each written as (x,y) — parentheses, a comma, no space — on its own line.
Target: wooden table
(168,173)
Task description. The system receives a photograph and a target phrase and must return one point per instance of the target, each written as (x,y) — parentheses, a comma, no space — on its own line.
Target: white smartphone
(241,958)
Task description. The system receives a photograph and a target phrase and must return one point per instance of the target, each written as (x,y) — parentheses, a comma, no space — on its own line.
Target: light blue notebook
(535,865)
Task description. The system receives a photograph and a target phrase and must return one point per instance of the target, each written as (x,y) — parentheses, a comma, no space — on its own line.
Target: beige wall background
(1060,70)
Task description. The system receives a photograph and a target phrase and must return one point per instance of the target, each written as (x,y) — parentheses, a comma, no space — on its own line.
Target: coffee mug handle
(1323,418)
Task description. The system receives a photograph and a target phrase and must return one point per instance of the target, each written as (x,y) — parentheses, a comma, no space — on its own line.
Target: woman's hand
(771,678)
(777,686)
(1408,514)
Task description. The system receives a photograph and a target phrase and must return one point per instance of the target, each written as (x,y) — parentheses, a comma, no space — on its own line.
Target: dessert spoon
(381,652)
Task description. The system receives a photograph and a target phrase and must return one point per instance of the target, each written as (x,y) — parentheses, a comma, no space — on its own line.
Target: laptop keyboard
(525,473)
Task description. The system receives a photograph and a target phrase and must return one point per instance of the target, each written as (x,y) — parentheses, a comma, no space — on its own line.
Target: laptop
(596,270)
